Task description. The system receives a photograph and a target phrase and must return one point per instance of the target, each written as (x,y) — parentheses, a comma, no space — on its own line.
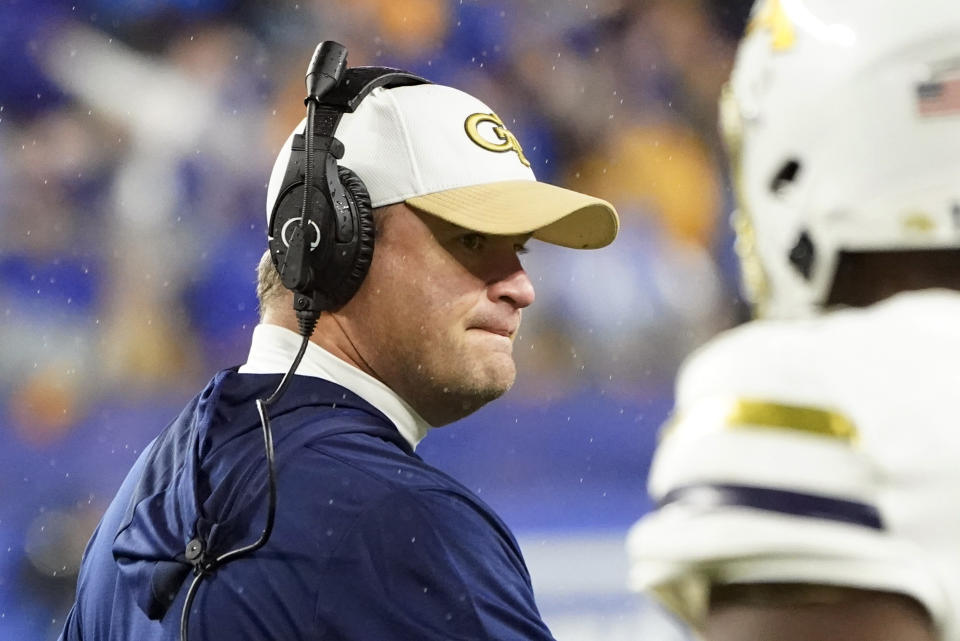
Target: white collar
(273,348)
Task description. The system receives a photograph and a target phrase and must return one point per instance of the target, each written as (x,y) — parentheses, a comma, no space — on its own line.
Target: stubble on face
(465,376)
(425,324)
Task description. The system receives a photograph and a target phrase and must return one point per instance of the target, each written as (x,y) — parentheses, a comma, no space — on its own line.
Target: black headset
(321,245)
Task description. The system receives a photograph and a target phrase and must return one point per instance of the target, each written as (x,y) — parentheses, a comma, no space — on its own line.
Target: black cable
(323,73)
(202,566)
(308,151)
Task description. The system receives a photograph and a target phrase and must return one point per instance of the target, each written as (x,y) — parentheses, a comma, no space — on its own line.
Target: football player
(808,484)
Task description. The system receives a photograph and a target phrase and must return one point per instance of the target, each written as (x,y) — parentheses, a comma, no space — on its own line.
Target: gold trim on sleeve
(712,414)
(812,420)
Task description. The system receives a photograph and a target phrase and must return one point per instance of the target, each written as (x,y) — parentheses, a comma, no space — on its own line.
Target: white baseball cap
(443,152)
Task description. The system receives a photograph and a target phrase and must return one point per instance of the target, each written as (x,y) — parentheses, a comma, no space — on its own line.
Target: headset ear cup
(359,198)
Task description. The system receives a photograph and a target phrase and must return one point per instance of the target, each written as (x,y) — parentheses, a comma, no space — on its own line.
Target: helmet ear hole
(802,255)
(785,176)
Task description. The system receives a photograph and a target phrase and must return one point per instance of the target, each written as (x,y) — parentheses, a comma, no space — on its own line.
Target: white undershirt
(273,349)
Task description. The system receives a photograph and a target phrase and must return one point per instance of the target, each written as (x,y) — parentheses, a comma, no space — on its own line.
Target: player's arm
(800,612)
(766,507)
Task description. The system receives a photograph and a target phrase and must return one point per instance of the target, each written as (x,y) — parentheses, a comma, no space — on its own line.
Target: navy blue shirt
(369,543)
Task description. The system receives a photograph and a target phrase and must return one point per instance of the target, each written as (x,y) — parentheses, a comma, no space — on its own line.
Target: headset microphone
(325,69)
(323,74)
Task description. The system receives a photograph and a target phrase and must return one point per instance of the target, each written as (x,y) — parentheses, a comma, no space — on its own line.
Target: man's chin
(470,395)
(501,372)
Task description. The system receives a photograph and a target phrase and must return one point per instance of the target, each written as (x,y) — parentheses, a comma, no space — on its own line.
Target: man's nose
(514,287)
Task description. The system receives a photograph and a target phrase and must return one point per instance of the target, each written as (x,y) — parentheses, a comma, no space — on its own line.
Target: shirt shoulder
(863,391)
(831,358)
(438,564)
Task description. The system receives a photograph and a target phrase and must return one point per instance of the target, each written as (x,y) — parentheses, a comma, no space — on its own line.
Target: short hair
(270,288)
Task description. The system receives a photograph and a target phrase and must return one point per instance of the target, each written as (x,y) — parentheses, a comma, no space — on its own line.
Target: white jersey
(819,451)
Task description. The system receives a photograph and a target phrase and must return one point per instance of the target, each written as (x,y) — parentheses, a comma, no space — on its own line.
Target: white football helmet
(842,122)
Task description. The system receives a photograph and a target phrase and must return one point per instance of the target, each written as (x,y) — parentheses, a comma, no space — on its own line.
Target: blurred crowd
(136,140)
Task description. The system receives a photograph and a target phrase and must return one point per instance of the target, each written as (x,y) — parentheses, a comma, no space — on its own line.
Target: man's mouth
(507,331)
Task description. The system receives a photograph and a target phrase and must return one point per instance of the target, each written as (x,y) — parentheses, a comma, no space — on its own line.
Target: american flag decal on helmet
(940,95)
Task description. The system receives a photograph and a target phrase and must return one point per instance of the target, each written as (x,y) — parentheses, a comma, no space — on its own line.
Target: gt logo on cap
(506,140)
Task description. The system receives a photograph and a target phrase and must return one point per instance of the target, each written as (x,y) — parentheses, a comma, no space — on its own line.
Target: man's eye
(473,242)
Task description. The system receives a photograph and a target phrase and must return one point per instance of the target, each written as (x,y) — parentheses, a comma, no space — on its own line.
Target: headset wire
(205,568)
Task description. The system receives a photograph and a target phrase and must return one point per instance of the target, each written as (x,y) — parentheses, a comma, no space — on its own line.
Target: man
(808,484)
(369,541)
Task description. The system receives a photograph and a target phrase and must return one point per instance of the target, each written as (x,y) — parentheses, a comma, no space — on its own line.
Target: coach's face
(436,316)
